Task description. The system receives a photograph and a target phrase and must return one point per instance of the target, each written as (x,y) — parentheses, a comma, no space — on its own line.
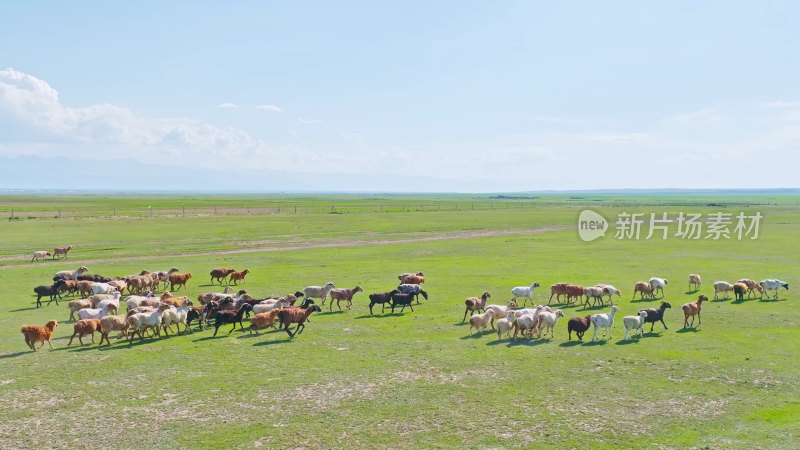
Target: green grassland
(416,379)
(71,205)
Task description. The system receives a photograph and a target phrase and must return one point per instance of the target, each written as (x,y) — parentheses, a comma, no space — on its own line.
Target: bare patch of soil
(305,244)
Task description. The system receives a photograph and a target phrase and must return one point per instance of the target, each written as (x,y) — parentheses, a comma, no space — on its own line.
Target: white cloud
(779,104)
(109,131)
(703,118)
(620,138)
(549,119)
(34,102)
(708,146)
(514,156)
(269,108)
(227,105)
(352,138)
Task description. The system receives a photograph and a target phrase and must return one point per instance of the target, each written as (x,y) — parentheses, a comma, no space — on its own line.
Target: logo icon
(591,225)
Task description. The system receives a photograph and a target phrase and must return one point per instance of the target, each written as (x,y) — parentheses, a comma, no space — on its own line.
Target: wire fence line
(98,211)
(290,208)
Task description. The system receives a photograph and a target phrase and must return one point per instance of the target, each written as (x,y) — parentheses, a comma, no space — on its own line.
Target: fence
(282,208)
(317,207)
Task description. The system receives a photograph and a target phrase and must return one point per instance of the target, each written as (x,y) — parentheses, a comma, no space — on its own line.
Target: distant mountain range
(33,173)
(25,173)
(667,191)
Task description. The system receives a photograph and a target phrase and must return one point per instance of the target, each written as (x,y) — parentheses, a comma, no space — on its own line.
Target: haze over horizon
(411,97)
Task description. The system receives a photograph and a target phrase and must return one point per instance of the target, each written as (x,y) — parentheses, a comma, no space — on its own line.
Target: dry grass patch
(320,397)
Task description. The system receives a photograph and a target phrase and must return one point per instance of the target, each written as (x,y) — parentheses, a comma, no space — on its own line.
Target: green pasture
(126,205)
(416,379)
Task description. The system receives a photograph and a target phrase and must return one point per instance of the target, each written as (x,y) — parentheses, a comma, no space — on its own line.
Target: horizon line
(623,191)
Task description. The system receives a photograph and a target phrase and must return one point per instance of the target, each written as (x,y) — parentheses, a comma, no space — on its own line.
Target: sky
(399,96)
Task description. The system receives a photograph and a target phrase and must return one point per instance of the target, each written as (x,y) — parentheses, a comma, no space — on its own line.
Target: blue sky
(456,96)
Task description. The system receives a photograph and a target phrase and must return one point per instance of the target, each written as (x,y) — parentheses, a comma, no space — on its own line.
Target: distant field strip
(42,206)
(296,244)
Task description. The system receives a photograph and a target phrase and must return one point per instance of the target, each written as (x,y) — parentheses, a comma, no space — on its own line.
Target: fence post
(183,210)
(59,213)
(295,208)
(114,211)
(215,210)
(331,208)
(12,213)
(279,209)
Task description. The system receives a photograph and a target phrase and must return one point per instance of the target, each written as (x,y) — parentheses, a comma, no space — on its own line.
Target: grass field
(71,205)
(416,379)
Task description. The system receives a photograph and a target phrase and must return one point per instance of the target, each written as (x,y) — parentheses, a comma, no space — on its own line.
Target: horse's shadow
(275,342)
(526,342)
(742,300)
(498,341)
(655,334)
(14,355)
(688,330)
(595,307)
(253,335)
(83,348)
(477,335)
(570,305)
(373,316)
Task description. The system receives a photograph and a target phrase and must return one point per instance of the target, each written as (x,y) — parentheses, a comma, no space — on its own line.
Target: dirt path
(306,245)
